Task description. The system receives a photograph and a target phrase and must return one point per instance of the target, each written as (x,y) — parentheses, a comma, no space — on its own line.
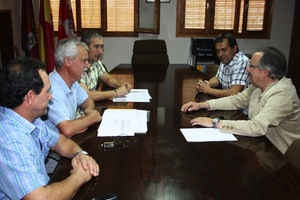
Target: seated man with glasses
(232,75)
(271,99)
(89,79)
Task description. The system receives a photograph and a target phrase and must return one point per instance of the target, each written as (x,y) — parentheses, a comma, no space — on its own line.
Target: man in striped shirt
(232,76)
(25,140)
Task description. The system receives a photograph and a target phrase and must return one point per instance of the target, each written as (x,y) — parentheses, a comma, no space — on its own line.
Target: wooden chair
(293,153)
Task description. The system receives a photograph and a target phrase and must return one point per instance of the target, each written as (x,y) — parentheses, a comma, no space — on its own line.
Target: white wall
(281,33)
(119,50)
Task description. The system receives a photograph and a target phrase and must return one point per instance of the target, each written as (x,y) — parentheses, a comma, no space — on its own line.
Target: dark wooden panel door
(6,38)
(294,68)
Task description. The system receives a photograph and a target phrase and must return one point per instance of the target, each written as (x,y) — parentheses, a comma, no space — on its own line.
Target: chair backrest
(293,153)
(211,71)
(150,54)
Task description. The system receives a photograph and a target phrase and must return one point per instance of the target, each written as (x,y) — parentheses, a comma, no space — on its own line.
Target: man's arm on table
(90,117)
(209,87)
(84,168)
(98,95)
(224,93)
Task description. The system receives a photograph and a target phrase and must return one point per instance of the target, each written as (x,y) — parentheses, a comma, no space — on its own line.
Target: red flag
(66,25)
(29,34)
(46,35)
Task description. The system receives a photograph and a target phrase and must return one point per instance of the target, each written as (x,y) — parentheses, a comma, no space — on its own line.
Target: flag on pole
(66,27)
(29,34)
(46,35)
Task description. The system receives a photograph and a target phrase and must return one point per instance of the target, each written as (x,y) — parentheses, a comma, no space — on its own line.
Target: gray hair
(67,48)
(274,61)
(88,35)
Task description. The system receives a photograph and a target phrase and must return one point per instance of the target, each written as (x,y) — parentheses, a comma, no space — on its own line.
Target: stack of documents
(122,122)
(135,95)
(206,135)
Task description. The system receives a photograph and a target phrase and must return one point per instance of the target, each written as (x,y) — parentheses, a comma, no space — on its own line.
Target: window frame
(102,30)
(209,31)
(156,29)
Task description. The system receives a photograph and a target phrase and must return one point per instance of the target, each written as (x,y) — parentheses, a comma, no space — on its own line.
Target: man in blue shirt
(26,140)
(71,60)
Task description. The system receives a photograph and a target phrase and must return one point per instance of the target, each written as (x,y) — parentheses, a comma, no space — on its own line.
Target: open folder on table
(135,95)
(206,135)
(122,122)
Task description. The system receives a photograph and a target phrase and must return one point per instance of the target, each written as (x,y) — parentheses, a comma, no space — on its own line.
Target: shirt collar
(26,125)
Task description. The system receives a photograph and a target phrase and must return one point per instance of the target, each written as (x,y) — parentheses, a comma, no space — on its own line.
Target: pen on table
(120,99)
(105,197)
(136,91)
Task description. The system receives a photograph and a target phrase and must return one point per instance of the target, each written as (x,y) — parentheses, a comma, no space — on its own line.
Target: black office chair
(150,54)
(51,162)
(293,153)
(211,71)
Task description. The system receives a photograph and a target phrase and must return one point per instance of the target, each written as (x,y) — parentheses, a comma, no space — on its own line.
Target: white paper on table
(206,135)
(141,124)
(122,122)
(135,95)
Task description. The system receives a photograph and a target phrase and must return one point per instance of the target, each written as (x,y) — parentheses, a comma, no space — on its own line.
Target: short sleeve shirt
(91,75)
(235,73)
(65,100)
(24,146)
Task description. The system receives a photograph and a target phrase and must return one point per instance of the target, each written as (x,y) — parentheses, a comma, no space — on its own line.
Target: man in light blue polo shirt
(71,59)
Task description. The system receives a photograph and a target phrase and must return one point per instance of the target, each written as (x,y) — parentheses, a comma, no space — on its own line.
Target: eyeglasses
(253,67)
(120,141)
(85,61)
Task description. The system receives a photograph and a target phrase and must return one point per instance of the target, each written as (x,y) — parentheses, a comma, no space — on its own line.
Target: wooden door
(294,63)
(6,38)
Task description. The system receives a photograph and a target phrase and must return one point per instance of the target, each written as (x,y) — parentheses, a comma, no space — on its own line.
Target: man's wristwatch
(80,152)
(215,122)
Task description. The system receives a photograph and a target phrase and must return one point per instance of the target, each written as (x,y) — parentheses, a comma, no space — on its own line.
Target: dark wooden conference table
(162,165)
